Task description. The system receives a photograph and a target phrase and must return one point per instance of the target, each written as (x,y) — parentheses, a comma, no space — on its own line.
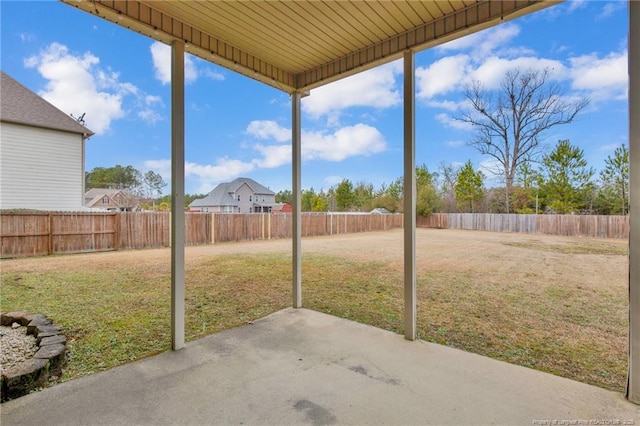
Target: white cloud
(373,88)
(604,78)
(147,105)
(27,37)
(446,104)
(273,155)
(491,72)
(266,129)
(576,4)
(76,86)
(149,115)
(333,180)
(449,121)
(484,42)
(609,9)
(442,76)
(161,56)
(484,57)
(207,176)
(224,169)
(455,144)
(493,172)
(213,75)
(609,147)
(349,141)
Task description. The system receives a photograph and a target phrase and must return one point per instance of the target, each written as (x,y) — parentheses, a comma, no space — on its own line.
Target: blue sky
(351,128)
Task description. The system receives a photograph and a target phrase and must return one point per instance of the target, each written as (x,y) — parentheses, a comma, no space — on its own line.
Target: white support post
(633,383)
(177,195)
(296,233)
(409,199)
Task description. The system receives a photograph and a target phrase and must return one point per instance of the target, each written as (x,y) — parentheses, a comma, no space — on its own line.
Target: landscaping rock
(26,372)
(51,340)
(55,353)
(37,322)
(45,334)
(9,318)
(23,378)
(26,319)
(45,328)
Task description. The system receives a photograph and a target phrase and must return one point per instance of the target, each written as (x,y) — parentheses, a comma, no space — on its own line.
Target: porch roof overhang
(296,46)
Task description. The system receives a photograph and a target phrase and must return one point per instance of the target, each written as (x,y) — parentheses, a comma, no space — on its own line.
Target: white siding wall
(244,191)
(40,169)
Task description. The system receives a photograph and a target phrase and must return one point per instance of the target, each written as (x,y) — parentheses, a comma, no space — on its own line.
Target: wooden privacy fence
(42,233)
(45,233)
(596,226)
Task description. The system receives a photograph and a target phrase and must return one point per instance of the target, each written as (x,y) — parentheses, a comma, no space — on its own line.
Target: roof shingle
(21,106)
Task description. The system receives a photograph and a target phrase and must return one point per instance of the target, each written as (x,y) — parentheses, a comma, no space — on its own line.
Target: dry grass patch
(551,303)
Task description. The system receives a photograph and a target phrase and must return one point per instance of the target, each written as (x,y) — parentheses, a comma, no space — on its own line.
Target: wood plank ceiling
(299,45)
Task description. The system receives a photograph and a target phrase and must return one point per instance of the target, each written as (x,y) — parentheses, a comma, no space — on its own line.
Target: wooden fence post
(213,228)
(50,233)
(116,233)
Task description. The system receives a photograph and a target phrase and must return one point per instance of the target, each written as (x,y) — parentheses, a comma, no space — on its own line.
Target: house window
(105,200)
(250,198)
(238,197)
(263,199)
(250,208)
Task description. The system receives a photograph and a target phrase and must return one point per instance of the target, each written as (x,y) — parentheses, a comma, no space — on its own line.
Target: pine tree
(469,187)
(566,182)
(614,192)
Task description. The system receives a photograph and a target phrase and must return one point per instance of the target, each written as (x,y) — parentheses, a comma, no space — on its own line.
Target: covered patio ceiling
(298,45)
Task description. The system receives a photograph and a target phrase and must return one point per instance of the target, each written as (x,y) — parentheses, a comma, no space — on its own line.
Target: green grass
(115,315)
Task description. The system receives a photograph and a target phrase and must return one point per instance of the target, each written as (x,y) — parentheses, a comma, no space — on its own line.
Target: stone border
(47,361)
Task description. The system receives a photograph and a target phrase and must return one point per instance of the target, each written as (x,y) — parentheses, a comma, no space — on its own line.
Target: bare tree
(509,127)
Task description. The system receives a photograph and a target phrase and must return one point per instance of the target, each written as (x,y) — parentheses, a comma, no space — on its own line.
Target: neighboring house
(115,200)
(41,152)
(380,210)
(282,208)
(242,195)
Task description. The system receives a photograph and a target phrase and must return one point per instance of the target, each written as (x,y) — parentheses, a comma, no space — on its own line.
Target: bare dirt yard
(558,304)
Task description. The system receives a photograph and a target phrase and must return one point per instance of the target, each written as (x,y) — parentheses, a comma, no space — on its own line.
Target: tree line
(563,183)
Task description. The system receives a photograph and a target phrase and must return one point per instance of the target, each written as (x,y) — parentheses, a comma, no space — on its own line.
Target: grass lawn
(556,304)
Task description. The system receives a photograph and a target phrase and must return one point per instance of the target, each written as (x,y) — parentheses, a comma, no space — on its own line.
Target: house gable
(111,199)
(41,152)
(242,195)
(22,106)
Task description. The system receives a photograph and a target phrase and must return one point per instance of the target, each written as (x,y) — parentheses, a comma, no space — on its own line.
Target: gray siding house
(242,195)
(41,152)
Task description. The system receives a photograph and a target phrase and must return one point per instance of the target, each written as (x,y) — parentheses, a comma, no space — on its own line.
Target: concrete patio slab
(303,367)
